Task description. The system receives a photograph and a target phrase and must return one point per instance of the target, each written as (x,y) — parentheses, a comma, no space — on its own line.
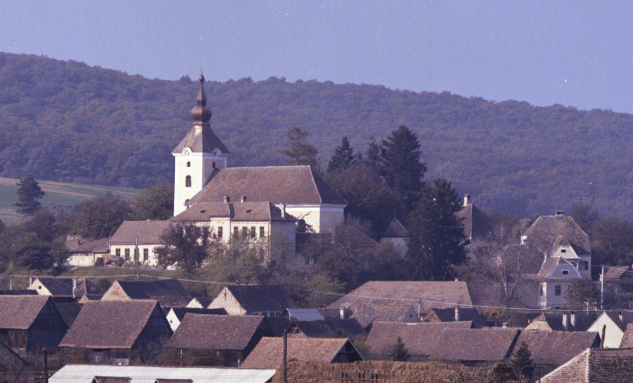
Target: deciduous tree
(184,244)
(581,292)
(156,202)
(101,216)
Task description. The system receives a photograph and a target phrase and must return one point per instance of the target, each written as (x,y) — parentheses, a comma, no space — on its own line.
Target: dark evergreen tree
(400,164)
(399,352)
(522,363)
(436,237)
(28,194)
(372,156)
(300,152)
(343,156)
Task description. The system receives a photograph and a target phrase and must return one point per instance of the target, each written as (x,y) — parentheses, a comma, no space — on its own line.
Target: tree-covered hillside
(66,121)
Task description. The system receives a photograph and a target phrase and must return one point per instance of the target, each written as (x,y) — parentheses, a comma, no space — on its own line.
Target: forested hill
(66,121)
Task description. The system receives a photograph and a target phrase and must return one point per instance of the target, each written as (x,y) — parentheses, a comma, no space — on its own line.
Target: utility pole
(285,356)
(602,289)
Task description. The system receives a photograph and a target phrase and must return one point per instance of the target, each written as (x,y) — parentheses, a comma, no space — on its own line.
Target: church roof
(201,139)
(275,184)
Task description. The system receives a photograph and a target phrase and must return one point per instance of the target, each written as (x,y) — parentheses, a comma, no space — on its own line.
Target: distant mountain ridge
(68,122)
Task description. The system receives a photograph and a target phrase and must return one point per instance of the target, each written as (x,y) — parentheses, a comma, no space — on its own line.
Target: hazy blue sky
(577,53)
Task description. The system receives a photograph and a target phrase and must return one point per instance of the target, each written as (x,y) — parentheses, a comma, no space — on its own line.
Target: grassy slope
(58,196)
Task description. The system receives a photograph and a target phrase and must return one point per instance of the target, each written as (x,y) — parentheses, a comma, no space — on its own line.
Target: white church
(248,201)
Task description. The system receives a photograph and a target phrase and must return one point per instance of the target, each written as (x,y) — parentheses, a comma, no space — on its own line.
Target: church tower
(198,155)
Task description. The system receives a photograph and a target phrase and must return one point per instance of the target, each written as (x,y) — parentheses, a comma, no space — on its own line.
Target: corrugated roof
(19,311)
(269,351)
(275,184)
(147,232)
(149,374)
(215,332)
(110,324)
(418,338)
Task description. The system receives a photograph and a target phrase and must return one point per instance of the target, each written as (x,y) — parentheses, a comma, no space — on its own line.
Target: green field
(58,196)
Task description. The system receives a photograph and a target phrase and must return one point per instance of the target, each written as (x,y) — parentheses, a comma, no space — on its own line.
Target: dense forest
(66,121)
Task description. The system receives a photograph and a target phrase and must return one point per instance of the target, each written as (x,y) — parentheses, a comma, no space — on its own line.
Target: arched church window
(188,164)
(188,182)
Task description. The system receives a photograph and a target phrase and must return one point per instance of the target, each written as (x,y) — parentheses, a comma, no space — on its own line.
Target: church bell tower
(198,155)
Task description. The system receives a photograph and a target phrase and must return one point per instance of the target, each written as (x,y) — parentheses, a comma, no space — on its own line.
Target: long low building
(134,374)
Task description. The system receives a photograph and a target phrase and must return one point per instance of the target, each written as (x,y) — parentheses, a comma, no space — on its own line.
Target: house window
(145,255)
(219,231)
(565,272)
(244,231)
(557,290)
(188,182)
(583,265)
(127,254)
(236,231)
(261,232)
(188,164)
(541,291)
(117,252)
(253,232)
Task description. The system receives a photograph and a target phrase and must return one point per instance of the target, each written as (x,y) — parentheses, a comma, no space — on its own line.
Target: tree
(184,244)
(612,243)
(436,236)
(29,192)
(372,156)
(400,164)
(343,156)
(399,352)
(581,292)
(522,363)
(300,152)
(101,216)
(156,203)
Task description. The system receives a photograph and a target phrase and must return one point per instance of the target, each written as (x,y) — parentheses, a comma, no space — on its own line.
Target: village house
(73,288)
(154,374)
(474,346)
(256,222)
(627,337)
(322,323)
(269,352)
(116,331)
(202,175)
(610,326)
(595,366)
(553,348)
(618,287)
(477,224)
(267,300)
(396,235)
(137,240)
(87,252)
(200,302)
(176,314)
(168,292)
(233,337)
(419,338)
(30,323)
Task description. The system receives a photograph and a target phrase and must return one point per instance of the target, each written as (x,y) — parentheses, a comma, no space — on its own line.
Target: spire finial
(200,113)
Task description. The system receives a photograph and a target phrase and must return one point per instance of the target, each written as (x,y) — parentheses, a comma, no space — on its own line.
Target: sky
(574,53)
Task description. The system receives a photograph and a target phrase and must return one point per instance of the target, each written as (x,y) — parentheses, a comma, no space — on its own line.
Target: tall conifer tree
(29,193)
(343,157)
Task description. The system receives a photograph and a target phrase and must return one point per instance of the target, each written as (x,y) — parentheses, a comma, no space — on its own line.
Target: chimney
(572,320)
(227,198)
(621,317)
(466,199)
(243,198)
(457,313)
(30,281)
(565,321)
(558,213)
(74,286)
(342,313)
(283,210)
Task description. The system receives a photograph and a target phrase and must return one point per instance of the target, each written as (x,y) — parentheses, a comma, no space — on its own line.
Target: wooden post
(285,362)
(45,366)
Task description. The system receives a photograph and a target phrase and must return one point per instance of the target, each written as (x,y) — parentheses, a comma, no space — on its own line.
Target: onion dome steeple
(200,113)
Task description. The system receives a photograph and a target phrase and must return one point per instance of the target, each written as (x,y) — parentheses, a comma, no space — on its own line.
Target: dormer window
(565,272)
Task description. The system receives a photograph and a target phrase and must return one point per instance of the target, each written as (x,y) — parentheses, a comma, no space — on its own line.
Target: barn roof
(169,292)
(109,324)
(475,345)
(419,338)
(215,332)
(19,311)
(269,351)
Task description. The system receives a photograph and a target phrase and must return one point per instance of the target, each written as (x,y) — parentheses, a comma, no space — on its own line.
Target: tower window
(188,182)
(213,164)
(188,164)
